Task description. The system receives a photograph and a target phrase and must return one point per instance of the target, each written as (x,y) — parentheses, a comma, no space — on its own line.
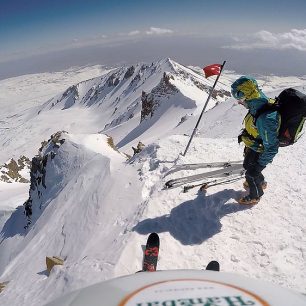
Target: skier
(260,136)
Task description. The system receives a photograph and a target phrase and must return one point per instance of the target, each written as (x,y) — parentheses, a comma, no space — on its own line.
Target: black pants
(253,176)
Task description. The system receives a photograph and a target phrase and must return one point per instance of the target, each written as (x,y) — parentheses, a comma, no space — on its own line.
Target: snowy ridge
(94,209)
(86,171)
(115,104)
(121,90)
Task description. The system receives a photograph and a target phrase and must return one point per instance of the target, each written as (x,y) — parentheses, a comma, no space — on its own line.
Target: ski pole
(203,110)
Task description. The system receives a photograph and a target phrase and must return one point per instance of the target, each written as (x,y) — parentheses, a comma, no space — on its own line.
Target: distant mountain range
(141,91)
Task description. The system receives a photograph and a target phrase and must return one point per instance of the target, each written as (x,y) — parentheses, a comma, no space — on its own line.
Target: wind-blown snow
(98,208)
(86,194)
(269,236)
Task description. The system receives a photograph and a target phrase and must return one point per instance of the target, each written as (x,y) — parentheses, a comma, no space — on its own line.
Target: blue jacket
(267,125)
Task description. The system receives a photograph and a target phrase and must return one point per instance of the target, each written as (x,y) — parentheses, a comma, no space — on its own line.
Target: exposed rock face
(38,170)
(43,170)
(151,101)
(39,161)
(71,91)
(147,106)
(110,142)
(11,171)
(129,72)
(113,80)
(220,93)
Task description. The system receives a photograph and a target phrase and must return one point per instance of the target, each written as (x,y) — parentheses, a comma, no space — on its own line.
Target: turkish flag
(214,69)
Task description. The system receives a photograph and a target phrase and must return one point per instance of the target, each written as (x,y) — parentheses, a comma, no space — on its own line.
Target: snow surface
(28,90)
(98,208)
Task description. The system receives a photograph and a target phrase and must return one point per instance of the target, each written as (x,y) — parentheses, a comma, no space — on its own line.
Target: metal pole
(194,130)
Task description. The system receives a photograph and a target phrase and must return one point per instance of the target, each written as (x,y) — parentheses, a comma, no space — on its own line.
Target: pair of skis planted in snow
(151,256)
(229,172)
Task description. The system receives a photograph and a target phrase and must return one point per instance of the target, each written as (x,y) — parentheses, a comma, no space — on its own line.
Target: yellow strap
(299,129)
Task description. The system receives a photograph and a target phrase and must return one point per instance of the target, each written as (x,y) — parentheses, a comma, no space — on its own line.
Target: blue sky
(182,30)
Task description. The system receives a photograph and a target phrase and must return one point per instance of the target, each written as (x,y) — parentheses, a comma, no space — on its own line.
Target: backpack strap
(270,107)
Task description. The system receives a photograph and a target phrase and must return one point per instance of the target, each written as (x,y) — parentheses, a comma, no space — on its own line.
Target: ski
(151,253)
(204,185)
(213,266)
(195,166)
(220,173)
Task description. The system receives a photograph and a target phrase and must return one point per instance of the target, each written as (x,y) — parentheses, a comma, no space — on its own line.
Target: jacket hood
(255,104)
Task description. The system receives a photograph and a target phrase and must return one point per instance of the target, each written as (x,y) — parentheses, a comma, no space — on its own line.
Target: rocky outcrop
(151,101)
(46,153)
(3,285)
(110,142)
(220,93)
(129,72)
(13,170)
(53,261)
(113,80)
(147,105)
(39,161)
(71,91)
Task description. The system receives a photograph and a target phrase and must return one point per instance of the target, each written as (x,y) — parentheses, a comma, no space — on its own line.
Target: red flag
(213,69)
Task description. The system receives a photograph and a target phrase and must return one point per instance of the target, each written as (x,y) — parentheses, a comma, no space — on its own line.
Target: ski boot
(264,185)
(247,200)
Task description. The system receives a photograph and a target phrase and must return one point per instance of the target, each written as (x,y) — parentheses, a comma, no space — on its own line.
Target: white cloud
(295,39)
(158,31)
(142,33)
(151,31)
(133,33)
(93,40)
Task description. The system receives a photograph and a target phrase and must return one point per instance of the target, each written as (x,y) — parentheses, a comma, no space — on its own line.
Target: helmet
(245,88)
(239,95)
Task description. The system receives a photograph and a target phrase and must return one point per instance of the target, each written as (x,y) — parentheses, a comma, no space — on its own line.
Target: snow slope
(18,96)
(87,187)
(199,227)
(97,208)
(23,92)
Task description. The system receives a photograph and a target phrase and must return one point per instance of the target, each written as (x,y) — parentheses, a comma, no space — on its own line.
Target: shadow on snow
(14,225)
(194,221)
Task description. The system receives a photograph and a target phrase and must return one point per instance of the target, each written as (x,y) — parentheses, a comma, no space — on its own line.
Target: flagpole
(203,110)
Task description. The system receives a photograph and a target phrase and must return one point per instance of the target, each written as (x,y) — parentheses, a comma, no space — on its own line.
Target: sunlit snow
(99,206)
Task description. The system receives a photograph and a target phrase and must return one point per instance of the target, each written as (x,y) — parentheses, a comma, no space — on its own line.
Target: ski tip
(153,236)
(213,266)
(153,239)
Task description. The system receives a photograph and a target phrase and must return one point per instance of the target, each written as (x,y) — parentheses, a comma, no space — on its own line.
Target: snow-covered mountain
(124,103)
(93,206)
